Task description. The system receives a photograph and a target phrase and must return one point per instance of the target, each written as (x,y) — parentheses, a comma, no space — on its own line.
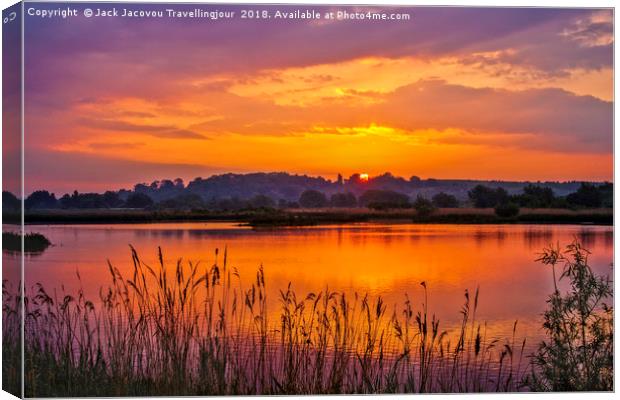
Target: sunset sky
(511,94)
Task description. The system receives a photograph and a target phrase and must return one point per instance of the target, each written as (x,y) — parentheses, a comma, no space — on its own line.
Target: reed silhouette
(193,329)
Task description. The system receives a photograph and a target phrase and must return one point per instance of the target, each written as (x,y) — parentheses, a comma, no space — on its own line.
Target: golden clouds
(360,81)
(450,117)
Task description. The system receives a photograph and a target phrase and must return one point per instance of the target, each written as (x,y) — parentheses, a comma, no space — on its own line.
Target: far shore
(318,216)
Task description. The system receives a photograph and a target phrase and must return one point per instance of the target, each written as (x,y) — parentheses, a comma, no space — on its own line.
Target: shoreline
(309,217)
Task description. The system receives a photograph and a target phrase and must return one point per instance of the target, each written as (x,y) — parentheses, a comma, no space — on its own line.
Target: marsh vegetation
(194,329)
(33,242)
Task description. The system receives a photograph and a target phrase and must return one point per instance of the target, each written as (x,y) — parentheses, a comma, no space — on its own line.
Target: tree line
(289,187)
(532,196)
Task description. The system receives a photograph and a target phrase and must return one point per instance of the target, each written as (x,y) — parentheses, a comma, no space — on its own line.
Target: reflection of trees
(482,237)
(587,238)
(609,239)
(537,238)
(160,233)
(534,238)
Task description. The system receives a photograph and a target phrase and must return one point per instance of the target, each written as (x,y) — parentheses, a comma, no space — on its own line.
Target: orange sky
(528,99)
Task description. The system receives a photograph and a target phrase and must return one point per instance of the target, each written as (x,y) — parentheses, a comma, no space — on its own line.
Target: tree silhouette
(138,200)
(444,200)
(312,199)
(343,200)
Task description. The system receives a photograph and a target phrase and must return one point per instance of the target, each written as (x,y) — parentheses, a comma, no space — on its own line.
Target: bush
(485,197)
(183,202)
(507,210)
(81,200)
(33,242)
(445,200)
(578,354)
(343,200)
(262,201)
(112,199)
(384,199)
(423,206)
(10,202)
(535,196)
(606,191)
(312,199)
(587,195)
(283,203)
(138,200)
(40,199)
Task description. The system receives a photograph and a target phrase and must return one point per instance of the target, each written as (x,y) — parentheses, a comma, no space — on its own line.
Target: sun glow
(364,177)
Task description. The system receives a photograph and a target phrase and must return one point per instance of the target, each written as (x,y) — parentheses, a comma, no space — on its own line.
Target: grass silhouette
(192,329)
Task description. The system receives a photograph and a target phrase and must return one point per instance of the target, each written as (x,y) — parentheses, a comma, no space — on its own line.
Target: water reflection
(536,239)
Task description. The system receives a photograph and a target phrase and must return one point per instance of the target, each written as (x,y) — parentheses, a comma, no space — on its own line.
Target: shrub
(40,199)
(10,202)
(112,199)
(587,195)
(384,199)
(138,200)
(343,200)
(507,210)
(536,196)
(445,200)
(189,201)
(423,206)
(312,199)
(291,204)
(578,354)
(33,242)
(484,197)
(261,201)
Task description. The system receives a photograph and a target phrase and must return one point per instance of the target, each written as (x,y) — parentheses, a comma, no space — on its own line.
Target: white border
(479,3)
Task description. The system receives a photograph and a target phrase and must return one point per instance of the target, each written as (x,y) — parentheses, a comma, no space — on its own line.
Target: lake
(388,260)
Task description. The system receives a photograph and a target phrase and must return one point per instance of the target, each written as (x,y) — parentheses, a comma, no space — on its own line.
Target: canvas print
(227,199)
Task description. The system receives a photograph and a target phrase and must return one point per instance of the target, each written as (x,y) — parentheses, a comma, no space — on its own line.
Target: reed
(194,329)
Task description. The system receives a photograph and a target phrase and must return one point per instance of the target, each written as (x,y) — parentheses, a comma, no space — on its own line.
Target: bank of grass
(123,216)
(191,329)
(304,217)
(33,242)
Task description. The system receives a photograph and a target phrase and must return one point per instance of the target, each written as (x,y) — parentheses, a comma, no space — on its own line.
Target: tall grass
(11,339)
(194,329)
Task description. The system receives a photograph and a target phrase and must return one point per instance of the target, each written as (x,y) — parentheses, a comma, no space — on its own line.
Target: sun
(364,177)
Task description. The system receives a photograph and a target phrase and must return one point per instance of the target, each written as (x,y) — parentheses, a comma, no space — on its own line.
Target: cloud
(190,48)
(118,145)
(549,118)
(561,120)
(592,31)
(99,172)
(504,77)
(162,131)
